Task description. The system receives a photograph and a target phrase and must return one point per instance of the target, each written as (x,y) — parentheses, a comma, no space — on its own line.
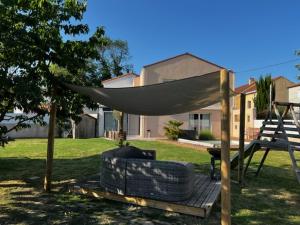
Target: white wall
(120,82)
(294,94)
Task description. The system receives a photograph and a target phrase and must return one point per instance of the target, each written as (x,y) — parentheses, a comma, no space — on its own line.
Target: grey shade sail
(174,97)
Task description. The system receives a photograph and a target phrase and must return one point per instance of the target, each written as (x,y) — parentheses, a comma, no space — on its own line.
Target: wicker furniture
(134,172)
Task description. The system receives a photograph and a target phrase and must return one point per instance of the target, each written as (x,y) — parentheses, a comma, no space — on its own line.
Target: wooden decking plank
(198,183)
(210,200)
(205,194)
(199,192)
(202,183)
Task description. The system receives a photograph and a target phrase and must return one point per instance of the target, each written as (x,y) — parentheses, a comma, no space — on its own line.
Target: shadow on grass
(26,203)
(270,198)
(273,197)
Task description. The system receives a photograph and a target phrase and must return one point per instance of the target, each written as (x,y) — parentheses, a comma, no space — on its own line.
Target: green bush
(172,130)
(206,135)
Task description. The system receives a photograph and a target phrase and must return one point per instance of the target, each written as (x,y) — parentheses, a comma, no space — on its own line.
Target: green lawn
(271,198)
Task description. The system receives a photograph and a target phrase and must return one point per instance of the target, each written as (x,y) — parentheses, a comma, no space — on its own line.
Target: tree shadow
(270,198)
(26,202)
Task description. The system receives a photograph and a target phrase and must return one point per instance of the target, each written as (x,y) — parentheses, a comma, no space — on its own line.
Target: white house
(294,96)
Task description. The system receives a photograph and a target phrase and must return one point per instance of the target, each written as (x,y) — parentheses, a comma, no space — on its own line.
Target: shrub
(206,135)
(172,130)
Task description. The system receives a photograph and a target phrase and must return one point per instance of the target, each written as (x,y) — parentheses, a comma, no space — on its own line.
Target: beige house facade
(294,96)
(282,95)
(178,67)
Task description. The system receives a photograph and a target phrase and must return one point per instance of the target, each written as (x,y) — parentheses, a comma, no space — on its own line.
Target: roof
(294,85)
(187,54)
(121,76)
(250,88)
(246,88)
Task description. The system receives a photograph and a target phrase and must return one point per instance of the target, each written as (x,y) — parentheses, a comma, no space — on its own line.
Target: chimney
(251,80)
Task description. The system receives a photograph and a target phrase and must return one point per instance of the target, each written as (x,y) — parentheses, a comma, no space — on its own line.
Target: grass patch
(271,198)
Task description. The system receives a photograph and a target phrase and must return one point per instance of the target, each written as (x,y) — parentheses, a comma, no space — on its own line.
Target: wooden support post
(242,139)
(225,149)
(262,161)
(121,130)
(50,148)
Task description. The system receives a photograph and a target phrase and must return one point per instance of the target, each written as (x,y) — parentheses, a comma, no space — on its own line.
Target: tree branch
(22,121)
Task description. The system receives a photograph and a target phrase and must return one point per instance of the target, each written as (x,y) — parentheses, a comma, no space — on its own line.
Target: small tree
(114,59)
(119,116)
(172,130)
(37,57)
(262,98)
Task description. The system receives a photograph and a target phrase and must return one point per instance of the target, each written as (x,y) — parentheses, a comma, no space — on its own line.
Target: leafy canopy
(39,51)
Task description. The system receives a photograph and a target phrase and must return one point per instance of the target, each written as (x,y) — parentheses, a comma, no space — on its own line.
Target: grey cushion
(135,172)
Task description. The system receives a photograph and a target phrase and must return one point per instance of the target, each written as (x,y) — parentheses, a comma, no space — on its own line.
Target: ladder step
(285,128)
(275,122)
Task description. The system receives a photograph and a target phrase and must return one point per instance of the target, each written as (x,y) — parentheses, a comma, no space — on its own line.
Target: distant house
(178,67)
(95,123)
(282,95)
(106,119)
(294,96)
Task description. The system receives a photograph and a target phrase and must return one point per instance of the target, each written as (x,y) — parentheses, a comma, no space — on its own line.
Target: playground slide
(235,159)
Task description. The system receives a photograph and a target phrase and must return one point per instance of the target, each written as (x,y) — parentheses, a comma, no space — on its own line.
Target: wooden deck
(206,193)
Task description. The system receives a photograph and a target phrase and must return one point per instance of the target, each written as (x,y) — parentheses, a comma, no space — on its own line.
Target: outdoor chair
(134,172)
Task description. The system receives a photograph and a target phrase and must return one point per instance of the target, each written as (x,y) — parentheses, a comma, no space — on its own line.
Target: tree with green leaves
(262,98)
(114,59)
(37,57)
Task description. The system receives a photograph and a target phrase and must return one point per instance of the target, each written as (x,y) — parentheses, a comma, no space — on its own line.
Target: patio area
(271,198)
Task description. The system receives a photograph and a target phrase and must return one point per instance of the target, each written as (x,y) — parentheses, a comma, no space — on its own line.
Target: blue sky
(238,35)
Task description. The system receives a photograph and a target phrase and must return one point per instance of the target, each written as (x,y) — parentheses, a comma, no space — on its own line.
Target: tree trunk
(50,148)
(73,129)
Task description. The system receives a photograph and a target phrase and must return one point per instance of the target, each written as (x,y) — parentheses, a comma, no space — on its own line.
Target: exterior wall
(136,81)
(174,69)
(126,81)
(282,95)
(281,89)
(294,94)
(133,124)
(250,115)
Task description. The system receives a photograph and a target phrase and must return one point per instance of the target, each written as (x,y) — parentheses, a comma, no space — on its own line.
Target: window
(200,122)
(204,122)
(110,124)
(249,104)
(235,127)
(237,118)
(248,119)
